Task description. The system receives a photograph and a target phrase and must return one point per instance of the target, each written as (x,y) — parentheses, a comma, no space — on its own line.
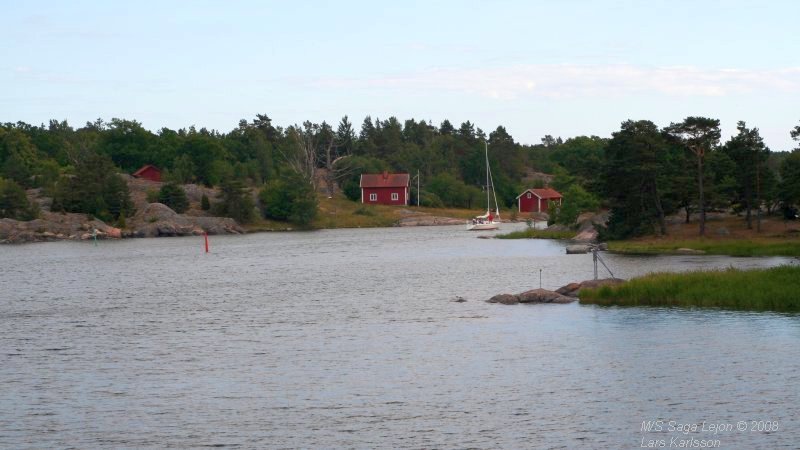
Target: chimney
(385,175)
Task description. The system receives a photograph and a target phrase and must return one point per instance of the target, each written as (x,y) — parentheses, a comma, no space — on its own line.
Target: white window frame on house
(395,196)
(529,195)
(373,197)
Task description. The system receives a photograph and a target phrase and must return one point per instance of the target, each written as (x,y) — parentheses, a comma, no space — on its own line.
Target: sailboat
(490,220)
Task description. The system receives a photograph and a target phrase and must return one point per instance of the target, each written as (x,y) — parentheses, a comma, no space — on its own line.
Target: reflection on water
(348,338)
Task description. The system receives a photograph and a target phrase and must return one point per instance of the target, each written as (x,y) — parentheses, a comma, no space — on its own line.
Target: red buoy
(205,235)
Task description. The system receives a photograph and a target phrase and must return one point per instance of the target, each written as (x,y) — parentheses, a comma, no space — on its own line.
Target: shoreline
(43,230)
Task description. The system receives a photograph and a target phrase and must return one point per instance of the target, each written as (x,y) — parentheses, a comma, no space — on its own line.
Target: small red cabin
(148,172)
(384,188)
(536,200)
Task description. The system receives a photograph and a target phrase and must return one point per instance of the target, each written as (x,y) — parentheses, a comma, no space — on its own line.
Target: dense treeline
(642,173)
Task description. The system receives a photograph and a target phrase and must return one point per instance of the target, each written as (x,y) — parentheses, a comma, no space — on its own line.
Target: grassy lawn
(532,233)
(339,212)
(775,289)
(725,235)
(732,247)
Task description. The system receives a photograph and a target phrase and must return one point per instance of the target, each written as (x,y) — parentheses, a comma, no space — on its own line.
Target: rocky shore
(564,294)
(150,220)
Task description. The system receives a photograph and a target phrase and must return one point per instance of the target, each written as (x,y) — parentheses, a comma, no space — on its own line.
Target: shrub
(14,203)
(94,189)
(576,200)
(205,205)
(364,211)
(430,200)
(290,198)
(235,202)
(173,196)
(152,196)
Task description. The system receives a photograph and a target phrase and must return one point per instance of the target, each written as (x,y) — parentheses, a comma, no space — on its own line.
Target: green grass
(712,247)
(532,233)
(775,289)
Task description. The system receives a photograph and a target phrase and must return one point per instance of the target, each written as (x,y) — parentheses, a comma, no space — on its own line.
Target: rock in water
(572,289)
(543,296)
(504,299)
(578,249)
(569,289)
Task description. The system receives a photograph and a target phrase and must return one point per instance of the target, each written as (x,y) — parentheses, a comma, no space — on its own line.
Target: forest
(642,172)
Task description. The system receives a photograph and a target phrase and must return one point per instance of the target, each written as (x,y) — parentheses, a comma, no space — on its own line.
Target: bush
(235,202)
(205,205)
(14,203)
(453,192)
(152,196)
(576,200)
(292,199)
(173,196)
(430,200)
(352,190)
(94,189)
(364,211)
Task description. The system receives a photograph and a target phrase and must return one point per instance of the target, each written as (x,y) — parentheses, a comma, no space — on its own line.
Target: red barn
(148,172)
(384,188)
(535,200)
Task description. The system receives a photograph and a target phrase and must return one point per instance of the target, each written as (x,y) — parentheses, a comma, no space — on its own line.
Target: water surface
(349,338)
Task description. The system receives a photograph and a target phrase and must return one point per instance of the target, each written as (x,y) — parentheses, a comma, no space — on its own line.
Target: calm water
(349,339)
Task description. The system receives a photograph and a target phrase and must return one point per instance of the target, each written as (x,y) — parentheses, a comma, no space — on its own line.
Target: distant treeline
(641,172)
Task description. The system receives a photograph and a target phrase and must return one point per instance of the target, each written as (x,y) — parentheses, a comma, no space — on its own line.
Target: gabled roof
(545,193)
(144,169)
(384,180)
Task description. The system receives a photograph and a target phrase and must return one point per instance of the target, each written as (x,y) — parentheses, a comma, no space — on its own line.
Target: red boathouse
(384,188)
(148,172)
(536,200)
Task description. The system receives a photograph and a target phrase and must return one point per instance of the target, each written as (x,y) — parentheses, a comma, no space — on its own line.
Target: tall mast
(488,201)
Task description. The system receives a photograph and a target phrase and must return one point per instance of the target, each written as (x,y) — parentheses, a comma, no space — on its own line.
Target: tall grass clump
(532,233)
(775,289)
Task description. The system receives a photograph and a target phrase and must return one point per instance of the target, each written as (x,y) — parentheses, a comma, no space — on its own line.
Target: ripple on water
(349,338)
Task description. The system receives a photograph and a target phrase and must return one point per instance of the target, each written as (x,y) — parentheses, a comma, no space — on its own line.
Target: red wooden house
(536,200)
(148,172)
(384,188)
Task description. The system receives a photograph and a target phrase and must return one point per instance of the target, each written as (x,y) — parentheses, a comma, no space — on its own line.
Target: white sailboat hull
(483,226)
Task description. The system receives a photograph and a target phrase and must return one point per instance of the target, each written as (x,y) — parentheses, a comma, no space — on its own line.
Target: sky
(564,68)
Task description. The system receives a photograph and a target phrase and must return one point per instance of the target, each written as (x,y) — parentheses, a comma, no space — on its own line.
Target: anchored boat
(490,220)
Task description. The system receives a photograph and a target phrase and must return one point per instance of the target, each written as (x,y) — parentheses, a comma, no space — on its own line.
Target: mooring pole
(540,278)
(594,259)
(205,235)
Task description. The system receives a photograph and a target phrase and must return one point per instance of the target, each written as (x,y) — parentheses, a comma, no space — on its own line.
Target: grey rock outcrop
(543,296)
(572,289)
(504,299)
(532,296)
(158,219)
(54,226)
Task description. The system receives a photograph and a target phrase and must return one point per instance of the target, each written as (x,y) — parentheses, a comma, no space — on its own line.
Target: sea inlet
(351,339)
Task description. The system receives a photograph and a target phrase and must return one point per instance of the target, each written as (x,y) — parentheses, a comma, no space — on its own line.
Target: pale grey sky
(537,67)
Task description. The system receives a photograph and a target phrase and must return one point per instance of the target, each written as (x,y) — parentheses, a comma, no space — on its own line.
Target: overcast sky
(563,68)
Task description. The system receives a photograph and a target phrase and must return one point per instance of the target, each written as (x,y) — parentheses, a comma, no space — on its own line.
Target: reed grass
(775,289)
(532,233)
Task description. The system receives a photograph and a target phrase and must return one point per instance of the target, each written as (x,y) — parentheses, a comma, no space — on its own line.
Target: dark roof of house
(384,180)
(543,193)
(144,169)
